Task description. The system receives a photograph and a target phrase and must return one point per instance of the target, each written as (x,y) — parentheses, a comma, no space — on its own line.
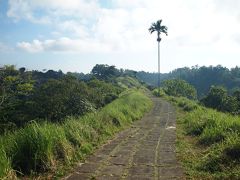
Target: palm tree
(159,29)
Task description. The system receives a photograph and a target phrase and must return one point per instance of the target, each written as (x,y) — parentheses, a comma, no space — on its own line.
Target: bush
(29,95)
(217,98)
(159,92)
(178,87)
(109,98)
(56,99)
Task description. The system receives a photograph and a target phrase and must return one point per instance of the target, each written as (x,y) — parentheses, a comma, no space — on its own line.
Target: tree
(159,29)
(16,88)
(217,98)
(102,93)
(178,87)
(102,71)
(56,99)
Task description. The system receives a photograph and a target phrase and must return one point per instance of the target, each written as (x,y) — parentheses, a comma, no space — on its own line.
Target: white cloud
(48,11)
(74,27)
(22,10)
(196,28)
(63,44)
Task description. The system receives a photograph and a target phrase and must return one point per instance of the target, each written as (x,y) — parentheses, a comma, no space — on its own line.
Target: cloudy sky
(74,35)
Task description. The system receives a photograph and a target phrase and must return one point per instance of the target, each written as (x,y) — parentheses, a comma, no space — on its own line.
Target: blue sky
(74,36)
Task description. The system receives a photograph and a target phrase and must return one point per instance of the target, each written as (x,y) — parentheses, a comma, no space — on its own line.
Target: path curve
(144,151)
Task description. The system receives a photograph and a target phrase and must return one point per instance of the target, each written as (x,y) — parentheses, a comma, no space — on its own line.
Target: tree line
(217,97)
(202,78)
(51,96)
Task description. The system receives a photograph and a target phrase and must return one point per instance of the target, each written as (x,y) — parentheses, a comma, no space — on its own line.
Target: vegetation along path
(144,151)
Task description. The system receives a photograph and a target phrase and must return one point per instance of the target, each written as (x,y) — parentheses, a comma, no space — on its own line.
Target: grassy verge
(47,147)
(208,143)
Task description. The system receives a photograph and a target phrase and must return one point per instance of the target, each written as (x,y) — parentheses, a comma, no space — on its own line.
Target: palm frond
(151,29)
(158,27)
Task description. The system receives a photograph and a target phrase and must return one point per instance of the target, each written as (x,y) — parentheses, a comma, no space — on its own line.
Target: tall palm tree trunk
(157,27)
(159,68)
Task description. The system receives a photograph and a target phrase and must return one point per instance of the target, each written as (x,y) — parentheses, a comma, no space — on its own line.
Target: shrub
(178,87)
(109,98)
(217,98)
(159,92)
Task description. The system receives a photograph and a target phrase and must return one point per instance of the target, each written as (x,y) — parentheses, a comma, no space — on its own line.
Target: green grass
(129,82)
(183,102)
(208,142)
(47,147)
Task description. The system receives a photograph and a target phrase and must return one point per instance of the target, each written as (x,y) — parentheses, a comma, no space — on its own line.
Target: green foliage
(159,92)
(32,95)
(37,147)
(103,71)
(218,98)
(236,96)
(158,28)
(45,146)
(5,164)
(184,103)
(202,78)
(151,79)
(178,87)
(56,99)
(49,118)
(16,88)
(128,82)
(217,147)
(102,93)
(223,159)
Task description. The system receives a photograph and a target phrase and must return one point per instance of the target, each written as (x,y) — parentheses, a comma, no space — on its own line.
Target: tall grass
(211,126)
(215,143)
(183,102)
(43,147)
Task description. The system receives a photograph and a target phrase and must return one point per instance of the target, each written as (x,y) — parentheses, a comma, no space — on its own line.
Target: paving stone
(175,172)
(146,171)
(113,170)
(96,158)
(169,147)
(143,160)
(120,160)
(79,176)
(88,168)
(144,151)
(108,177)
(167,155)
(123,152)
(140,178)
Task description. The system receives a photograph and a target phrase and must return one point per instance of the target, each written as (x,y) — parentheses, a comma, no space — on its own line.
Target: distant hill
(202,78)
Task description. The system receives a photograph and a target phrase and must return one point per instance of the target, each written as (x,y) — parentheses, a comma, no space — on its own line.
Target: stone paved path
(144,151)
